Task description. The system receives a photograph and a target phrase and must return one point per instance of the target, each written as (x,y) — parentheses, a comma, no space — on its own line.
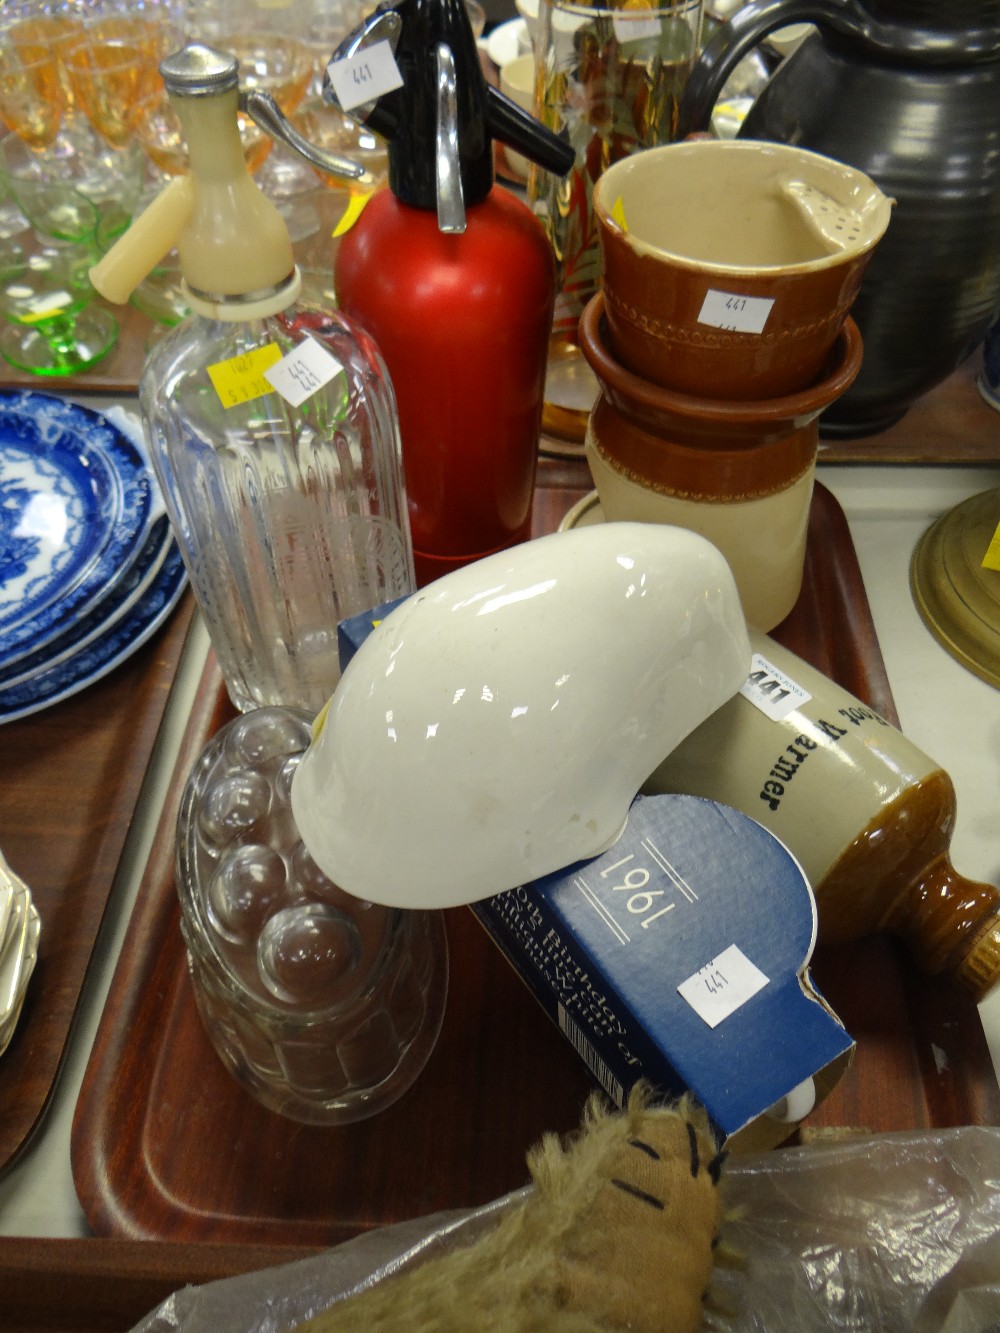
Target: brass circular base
(552,447)
(571,389)
(957,598)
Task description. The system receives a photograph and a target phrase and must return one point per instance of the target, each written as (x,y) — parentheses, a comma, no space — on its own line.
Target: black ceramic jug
(907,91)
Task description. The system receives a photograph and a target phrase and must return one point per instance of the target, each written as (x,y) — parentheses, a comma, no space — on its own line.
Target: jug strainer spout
(839,226)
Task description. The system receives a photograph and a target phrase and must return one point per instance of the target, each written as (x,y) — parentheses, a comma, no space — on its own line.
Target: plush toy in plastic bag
(898,1233)
(619,1232)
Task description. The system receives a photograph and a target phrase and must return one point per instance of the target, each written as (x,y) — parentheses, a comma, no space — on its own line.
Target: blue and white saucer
(76,503)
(105,652)
(127,592)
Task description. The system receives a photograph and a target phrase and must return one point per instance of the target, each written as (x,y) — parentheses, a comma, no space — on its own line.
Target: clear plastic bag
(890,1232)
(276,1299)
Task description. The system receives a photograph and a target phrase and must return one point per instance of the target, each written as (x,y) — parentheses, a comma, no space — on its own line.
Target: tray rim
(64,965)
(114,1282)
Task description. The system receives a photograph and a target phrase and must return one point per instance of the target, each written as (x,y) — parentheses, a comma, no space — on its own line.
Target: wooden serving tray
(71,777)
(166,1145)
(108,1286)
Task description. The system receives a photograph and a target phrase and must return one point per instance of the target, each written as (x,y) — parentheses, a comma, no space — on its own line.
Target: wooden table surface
(950,424)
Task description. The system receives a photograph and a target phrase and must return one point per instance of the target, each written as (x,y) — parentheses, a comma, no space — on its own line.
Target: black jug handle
(738,36)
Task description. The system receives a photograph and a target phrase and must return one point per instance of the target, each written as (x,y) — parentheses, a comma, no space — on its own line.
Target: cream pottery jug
(730,267)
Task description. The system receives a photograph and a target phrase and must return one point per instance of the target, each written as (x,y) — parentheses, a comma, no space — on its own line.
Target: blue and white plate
(76,502)
(109,650)
(127,592)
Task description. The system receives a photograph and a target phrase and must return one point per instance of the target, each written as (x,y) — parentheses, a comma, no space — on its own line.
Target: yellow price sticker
(991,560)
(241,378)
(49,305)
(319,721)
(351,213)
(618,213)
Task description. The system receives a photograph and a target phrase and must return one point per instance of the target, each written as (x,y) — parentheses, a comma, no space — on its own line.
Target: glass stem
(59,334)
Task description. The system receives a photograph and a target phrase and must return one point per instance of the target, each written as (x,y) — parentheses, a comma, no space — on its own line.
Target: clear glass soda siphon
(272,424)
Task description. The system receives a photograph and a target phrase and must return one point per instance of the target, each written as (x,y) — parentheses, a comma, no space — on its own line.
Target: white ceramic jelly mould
(497,725)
